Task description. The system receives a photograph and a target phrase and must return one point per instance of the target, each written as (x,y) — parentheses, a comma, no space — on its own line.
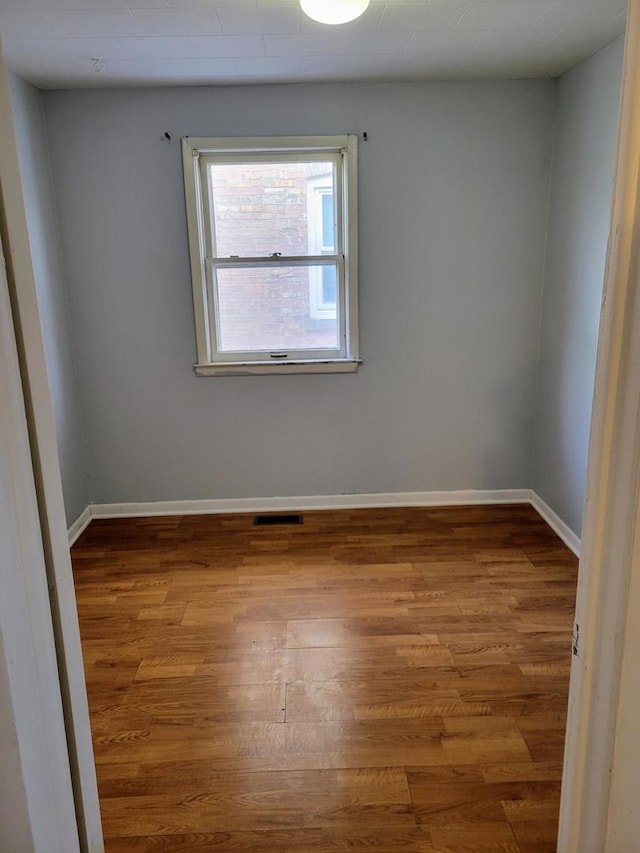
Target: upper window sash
(334,156)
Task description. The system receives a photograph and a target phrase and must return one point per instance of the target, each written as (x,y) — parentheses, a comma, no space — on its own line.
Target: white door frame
(36,796)
(31,384)
(610,522)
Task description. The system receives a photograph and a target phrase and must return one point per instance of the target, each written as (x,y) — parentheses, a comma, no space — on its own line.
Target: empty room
(303,304)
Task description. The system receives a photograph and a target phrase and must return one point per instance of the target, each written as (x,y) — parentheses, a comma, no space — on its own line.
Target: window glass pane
(329,285)
(327,222)
(269,308)
(262,208)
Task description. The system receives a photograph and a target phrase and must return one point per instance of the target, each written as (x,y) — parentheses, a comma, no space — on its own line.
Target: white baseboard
(310,502)
(79,525)
(556,523)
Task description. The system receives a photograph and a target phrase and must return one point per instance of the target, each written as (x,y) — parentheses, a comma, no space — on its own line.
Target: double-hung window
(273,242)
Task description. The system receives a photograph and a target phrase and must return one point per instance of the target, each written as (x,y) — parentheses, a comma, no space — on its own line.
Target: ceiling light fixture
(334,11)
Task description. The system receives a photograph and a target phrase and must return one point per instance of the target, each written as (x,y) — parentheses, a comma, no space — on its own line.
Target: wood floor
(371,680)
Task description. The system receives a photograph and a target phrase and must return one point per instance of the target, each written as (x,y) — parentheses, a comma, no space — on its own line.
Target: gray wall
(583,169)
(35,174)
(453,203)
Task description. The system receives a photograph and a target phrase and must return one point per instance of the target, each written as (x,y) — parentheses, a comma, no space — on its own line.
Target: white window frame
(198,153)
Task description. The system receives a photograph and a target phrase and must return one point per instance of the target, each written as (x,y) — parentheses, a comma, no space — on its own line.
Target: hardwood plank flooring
(380,680)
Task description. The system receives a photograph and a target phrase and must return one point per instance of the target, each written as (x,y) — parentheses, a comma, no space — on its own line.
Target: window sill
(254,368)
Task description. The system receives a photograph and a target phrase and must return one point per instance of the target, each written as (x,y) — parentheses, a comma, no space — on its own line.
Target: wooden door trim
(611,499)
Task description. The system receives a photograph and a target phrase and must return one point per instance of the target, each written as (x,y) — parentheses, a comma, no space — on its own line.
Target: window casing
(273,244)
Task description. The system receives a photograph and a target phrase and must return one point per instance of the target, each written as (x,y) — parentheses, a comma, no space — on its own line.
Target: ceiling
(92,43)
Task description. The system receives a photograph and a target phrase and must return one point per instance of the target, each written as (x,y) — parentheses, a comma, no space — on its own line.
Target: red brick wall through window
(260,209)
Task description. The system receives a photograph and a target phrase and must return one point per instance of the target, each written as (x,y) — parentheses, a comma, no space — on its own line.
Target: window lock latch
(276,254)
(278,354)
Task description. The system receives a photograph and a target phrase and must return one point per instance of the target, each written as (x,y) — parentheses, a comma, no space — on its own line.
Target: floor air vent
(269,520)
